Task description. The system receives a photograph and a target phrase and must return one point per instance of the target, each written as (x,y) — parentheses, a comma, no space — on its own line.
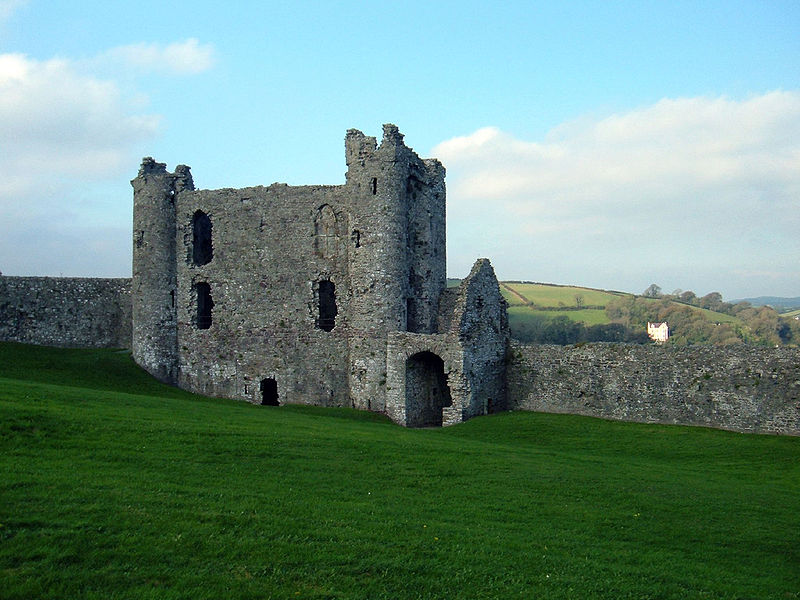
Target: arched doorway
(427,392)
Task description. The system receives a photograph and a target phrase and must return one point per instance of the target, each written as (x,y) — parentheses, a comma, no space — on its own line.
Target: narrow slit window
(374,185)
(327,305)
(204,305)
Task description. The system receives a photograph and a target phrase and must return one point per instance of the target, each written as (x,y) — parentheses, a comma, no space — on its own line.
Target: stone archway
(427,391)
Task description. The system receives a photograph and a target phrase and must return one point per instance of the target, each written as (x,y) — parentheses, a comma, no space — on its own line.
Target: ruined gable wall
(742,388)
(66,311)
(269,254)
(481,323)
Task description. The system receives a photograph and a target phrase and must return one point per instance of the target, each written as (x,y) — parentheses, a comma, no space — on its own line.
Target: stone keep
(325,295)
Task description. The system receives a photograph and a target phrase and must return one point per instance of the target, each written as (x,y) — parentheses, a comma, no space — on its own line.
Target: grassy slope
(557,295)
(116,486)
(589,316)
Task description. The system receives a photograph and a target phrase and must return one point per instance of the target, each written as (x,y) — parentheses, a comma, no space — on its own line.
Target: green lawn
(545,295)
(114,486)
(588,316)
(520,296)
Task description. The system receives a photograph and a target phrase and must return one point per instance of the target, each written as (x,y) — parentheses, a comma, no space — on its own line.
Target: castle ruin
(325,295)
(336,296)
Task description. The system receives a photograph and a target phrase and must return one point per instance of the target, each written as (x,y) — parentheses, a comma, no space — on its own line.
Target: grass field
(114,486)
(554,296)
(588,316)
(532,301)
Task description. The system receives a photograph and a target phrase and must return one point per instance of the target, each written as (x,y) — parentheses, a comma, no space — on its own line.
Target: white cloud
(56,122)
(182,58)
(71,131)
(682,184)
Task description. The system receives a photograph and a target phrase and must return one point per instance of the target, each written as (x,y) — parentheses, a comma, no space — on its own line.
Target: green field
(531,301)
(114,486)
(589,316)
(546,295)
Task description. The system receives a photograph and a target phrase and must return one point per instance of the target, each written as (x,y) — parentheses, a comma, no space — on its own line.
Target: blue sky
(607,144)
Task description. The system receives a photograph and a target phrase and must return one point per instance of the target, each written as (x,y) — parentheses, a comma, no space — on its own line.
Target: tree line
(540,329)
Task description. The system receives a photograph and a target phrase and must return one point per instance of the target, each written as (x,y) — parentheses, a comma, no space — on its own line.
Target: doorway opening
(269,392)
(427,392)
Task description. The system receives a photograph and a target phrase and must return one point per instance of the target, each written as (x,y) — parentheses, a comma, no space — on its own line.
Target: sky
(603,144)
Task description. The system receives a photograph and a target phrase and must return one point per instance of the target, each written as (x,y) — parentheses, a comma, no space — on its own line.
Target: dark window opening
(269,392)
(411,316)
(204,305)
(374,185)
(427,391)
(202,250)
(327,305)
(356,238)
(172,298)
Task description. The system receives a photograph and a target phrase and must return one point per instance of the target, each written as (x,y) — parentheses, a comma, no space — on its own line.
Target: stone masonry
(326,295)
(67,312)
(743,388)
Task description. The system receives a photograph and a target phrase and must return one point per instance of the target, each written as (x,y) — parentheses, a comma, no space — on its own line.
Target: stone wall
(66,312)
(742,388)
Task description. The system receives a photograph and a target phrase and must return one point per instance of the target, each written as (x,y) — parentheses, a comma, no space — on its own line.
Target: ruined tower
(154,335)
(398,267)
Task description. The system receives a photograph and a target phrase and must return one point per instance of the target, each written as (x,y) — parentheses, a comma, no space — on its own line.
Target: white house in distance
(658,332)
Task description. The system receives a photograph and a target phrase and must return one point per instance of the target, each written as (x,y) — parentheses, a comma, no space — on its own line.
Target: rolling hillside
(569,314)
(584,305)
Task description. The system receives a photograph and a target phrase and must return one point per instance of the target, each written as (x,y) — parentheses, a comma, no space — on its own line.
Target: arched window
(202,249)
(326,238)
(327,305)
(204,305)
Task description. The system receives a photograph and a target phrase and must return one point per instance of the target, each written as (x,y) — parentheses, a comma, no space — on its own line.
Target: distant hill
(778,303)
(547,313)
